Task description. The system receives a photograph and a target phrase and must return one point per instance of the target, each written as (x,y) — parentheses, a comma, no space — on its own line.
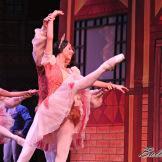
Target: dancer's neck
(61,62)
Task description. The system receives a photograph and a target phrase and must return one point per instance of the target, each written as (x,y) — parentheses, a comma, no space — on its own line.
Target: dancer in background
(6,122)
(53,125)
(22,123)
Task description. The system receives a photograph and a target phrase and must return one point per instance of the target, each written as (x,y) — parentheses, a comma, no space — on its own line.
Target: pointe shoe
(19,140)
(110,63)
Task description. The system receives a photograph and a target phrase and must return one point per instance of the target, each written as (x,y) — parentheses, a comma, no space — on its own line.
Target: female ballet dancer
(9,100)
(39,44)
(52,121)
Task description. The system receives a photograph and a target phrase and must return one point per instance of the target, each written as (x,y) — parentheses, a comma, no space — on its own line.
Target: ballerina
(6,121)
(52,122)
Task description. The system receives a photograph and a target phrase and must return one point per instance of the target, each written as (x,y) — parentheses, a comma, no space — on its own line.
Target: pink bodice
(54,77)
(42,83)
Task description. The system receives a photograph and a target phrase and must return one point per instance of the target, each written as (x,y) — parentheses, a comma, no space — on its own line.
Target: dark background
(18,19)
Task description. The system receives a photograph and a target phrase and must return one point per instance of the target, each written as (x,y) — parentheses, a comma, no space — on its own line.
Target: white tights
(64,139)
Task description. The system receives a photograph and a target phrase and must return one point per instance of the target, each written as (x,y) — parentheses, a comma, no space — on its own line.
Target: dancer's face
(68,52)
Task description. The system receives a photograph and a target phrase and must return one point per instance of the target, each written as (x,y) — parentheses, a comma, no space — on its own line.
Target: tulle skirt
(52,113)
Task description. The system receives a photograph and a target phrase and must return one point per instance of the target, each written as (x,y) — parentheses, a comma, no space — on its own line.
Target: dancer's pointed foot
(110,63)
(19,140)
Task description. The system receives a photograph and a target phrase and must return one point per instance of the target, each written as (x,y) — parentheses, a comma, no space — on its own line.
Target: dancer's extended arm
(6,93)
(110,86)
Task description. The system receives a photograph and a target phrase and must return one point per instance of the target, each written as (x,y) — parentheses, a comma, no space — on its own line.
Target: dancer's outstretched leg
(5,132)
(88,80)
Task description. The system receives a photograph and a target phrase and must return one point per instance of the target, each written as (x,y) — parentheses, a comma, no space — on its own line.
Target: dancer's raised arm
(40,39)
(49,44)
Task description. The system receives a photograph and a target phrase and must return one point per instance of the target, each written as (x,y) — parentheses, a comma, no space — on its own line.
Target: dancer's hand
(18,139)
(121,88)
(97,97)
(30,93)
(109,86)
(33,91)
(51,16)
(56,13)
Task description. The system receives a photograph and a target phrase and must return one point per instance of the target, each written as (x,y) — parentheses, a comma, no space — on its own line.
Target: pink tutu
(5,121)
(51,114)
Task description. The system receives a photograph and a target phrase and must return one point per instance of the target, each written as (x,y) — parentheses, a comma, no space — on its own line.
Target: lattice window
(98,39)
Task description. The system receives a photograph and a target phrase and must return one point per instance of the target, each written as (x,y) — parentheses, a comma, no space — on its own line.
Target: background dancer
(22,122)
(6,122)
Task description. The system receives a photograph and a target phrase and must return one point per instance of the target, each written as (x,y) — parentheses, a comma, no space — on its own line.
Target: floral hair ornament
(62,39)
